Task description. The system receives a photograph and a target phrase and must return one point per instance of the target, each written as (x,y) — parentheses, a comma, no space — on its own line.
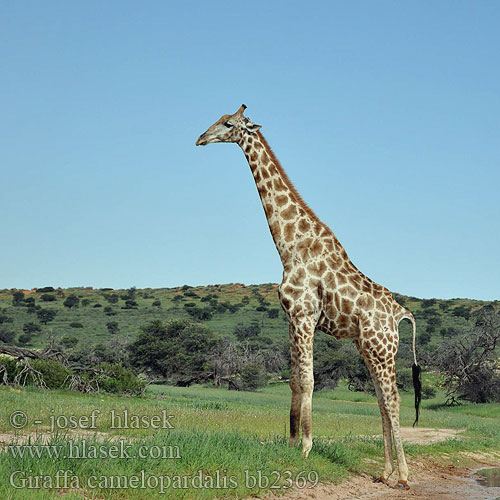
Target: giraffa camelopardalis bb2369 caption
(322,289)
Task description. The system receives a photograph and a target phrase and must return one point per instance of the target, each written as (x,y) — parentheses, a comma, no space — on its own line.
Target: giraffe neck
(290,219)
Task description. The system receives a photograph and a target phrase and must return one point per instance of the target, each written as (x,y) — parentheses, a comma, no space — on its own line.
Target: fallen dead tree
(76,377)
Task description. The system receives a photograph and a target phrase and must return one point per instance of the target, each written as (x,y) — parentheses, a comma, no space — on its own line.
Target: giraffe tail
(416,371)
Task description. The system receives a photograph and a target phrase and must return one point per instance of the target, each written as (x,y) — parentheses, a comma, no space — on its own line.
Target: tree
(400,299)
(244,332)
(130,304)
(334,360)
(69,342)
(109,311)
(200,313)
(273,313)
(6,335)
(449,332)
(225,361)
(31,328)
(112,298)
(469,363)
(178,350)
(428,303)
(253,376)
(433,322)
(71,301)
(17,298)
(5,319)
(462,312)
(46,315)
(425,337)
(24,338)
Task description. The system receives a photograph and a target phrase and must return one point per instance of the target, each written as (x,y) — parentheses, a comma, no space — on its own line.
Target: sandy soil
(430,479)
(425,435)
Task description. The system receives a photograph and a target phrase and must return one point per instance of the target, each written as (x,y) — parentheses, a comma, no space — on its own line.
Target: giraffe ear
(252,127)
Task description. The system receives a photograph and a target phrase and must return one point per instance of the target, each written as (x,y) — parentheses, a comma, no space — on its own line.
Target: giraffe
(321,289)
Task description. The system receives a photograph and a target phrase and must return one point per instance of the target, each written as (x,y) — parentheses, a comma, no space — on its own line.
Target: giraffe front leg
(295,407)
(303,340)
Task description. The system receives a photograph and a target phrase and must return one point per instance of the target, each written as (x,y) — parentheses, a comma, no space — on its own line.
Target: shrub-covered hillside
(87,315)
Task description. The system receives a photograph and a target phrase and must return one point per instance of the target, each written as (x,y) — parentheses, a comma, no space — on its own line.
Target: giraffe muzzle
(201,141)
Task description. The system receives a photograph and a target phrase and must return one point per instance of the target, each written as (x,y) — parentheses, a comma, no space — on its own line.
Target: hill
(97,315)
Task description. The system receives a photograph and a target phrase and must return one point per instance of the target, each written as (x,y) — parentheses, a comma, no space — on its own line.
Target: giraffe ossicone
(322,289)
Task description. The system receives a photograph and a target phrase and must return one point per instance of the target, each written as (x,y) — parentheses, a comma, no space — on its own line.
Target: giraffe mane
(285,177)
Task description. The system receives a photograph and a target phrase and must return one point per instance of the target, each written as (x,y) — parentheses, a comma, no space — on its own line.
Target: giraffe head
(228,128)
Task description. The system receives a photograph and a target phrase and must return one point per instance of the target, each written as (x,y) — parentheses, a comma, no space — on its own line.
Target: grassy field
(220,432)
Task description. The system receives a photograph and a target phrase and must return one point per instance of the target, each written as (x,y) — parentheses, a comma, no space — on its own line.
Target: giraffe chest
(314,290)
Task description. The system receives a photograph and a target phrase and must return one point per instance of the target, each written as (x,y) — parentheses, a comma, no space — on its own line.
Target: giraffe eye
(227,124)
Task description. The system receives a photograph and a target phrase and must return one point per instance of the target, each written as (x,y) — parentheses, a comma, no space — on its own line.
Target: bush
(10,365)
(113,327)
(273,313)
(428,392)
(428,303)
(24,338)
(47,297)
(71,301)
(6,335)
(54,374)
(200,314)
(245,332)
(253,376)
(69,342)
(404,379)
(5,319)
(46,315)
(76,324)
(118,379)
(109,311)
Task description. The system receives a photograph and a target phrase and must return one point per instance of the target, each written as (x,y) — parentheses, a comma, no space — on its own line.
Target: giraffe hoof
(380,479)
(402,485)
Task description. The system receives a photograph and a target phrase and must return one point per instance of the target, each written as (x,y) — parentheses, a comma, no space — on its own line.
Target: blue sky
(384,114)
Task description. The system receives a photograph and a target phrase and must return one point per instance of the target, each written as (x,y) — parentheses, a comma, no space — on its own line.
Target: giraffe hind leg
(386,423)
(386,433)
(391,401)
(383,371)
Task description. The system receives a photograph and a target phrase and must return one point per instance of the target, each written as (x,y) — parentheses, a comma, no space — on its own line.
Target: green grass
(220,430)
